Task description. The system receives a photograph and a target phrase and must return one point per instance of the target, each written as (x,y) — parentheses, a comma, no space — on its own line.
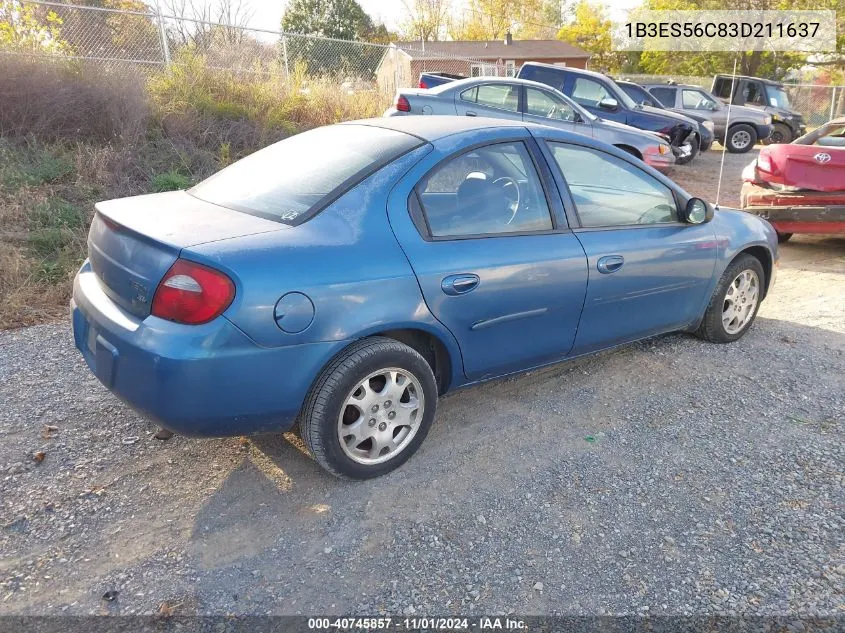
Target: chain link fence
(116,38)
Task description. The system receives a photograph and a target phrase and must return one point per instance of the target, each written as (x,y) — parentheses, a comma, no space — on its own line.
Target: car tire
(694,144)
(784,237)
(780,134)
(383,389)
(721,324)
(741,138)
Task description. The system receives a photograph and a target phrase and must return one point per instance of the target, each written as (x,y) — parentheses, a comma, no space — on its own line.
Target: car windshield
(778,97)
(640,95)
(831,134)
(285,181)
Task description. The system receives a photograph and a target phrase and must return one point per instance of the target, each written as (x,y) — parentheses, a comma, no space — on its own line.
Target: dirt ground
(668,477)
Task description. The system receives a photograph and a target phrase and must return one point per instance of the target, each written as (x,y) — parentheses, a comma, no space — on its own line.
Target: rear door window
(542,75)
(666,96)
(500,96)
(289,180)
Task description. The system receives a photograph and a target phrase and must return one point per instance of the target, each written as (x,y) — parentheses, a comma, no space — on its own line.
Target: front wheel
(370,409)
(735,301)
(741,138)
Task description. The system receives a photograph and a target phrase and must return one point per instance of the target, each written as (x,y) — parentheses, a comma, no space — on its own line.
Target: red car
(800,187)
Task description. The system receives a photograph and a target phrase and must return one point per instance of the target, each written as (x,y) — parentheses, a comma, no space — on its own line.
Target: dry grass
(71,135)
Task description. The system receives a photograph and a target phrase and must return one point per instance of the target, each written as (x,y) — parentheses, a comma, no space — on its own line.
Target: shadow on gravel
(630,463)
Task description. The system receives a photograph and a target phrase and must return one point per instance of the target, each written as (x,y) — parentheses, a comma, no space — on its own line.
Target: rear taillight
(402,104)
(764,163)
(422,85)
(192,293)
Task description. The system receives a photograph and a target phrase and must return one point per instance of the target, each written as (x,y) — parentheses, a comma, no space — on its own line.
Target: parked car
(600,95)
(346,276)
(800,187)
(769,96)
(746,125)
(432,80)
(522,100)
(704,135)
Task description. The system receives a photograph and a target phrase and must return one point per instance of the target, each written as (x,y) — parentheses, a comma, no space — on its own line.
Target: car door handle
(470,113)
(459,284)
(610,263)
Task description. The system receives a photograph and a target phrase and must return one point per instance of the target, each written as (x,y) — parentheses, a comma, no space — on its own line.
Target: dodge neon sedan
(342,279)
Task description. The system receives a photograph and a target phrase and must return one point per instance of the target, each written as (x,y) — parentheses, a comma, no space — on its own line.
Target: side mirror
(608,103)
(697,212)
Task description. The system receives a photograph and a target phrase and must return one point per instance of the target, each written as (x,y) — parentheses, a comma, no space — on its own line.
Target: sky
(268,13)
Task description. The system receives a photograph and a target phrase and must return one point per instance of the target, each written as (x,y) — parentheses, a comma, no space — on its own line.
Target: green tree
(590,31)
(493,19)
(338,19)
(131,35)
(341,27)
(23,26)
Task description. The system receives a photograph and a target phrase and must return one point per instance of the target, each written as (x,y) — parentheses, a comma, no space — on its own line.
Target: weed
(56,213)
(169,181)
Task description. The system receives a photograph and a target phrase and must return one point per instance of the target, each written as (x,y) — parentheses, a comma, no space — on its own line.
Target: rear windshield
(291,178)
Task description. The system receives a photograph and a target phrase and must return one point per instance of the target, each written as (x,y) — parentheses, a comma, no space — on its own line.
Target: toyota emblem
(822,157)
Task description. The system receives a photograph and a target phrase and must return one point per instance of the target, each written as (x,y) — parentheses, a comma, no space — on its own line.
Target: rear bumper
(800,212)
(204,380)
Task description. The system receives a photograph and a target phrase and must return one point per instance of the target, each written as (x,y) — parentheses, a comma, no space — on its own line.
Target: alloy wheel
(740,301)
(741,139)
(380,416)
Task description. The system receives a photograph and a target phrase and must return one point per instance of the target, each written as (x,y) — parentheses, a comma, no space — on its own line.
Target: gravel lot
(672,476)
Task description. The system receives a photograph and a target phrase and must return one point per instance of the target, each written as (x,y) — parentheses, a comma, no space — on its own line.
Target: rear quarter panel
(346,260)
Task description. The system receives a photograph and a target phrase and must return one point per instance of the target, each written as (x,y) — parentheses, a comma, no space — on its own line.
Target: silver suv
(747,125)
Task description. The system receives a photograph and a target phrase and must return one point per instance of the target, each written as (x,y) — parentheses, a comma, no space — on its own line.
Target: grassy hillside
(72,134)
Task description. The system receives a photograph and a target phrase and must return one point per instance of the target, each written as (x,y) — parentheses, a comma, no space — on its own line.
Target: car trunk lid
(134,241)
(809,167)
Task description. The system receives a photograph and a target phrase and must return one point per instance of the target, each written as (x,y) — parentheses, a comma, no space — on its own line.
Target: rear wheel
(735,301)
(741,138)
(784,237)
(370,409)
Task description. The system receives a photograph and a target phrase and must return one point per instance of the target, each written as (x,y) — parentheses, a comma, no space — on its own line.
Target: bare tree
(425,19)
(199,22)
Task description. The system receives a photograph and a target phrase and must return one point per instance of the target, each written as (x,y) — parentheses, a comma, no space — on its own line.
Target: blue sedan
(344,278)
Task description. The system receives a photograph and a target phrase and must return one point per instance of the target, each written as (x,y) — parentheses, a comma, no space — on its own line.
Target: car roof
(469,81)
(431,128)
(674,85)
(568,69)
(771,82)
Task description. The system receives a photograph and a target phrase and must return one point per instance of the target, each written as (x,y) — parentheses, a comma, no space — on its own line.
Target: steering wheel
(511,190)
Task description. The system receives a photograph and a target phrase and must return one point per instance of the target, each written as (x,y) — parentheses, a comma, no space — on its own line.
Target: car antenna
(727,127)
